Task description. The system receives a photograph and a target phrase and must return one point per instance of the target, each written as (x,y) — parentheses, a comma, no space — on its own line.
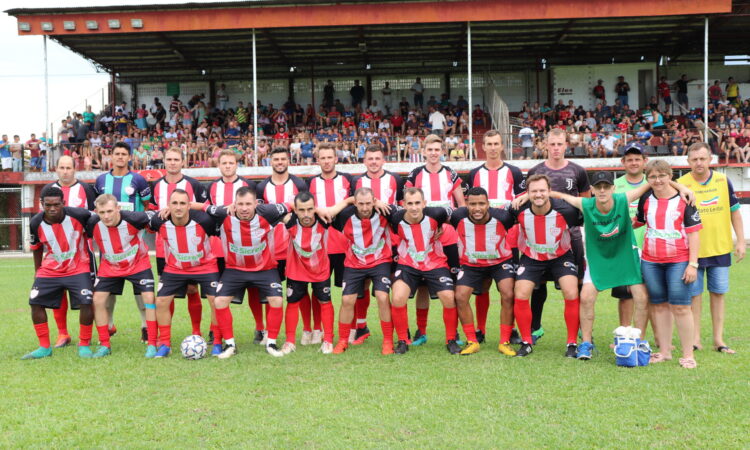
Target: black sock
(538,297)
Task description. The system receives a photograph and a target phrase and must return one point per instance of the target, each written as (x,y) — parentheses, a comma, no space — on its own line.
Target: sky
(73,80)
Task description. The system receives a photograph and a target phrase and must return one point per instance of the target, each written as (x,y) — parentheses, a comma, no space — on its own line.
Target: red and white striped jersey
(327,193)
(388,188)
(438,187)
(64,243)
(668,221)
(368,239)
(502,184)
(248,244)
(482,245)
(221,193)
(418,247)
(307,257)
(163,189)
(546,237)
(77,195)
(186,248)
(268,192)
(123,250)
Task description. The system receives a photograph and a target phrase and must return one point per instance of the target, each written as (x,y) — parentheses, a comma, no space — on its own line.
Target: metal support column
(46,98)
(705,82)
(469,84)
(255,100)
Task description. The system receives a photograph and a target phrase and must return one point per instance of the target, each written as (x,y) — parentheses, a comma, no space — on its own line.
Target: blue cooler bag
(630,352)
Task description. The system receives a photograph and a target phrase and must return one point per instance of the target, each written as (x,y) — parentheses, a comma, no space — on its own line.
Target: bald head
(66,171)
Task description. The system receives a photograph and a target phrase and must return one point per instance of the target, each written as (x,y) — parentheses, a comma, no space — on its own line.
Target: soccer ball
(193,347)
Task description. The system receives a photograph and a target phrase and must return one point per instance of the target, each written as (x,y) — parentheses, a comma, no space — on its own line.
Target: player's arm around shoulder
(576,202)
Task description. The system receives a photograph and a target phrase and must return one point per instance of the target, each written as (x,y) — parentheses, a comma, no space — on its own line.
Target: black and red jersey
(64,244)
(388,188)
(122,247)
(163,189)
(77,195)
(485,244)
(307,256)
(547,236)
(327,193)
(418,245)
(186,248)
(368,239)
(268,192)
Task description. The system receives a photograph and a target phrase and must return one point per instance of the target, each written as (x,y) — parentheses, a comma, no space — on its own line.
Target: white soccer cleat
(326,348)
(307,337)
(288,348)
(228,352)
(317,337)
(264,341)
(352,335)
(272,350)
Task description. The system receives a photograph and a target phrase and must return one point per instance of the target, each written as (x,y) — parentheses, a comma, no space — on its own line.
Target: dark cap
(635,148)
(603,177)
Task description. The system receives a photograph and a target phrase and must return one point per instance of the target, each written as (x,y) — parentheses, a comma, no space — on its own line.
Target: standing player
(61,263)
(247,240)
(124,257)
(569,178)
(188,260)
(133,194)
(328,189)
(76,194)
(421,259)
(503,183)
(163,188)
(485,254)
(441,187)
(546,249)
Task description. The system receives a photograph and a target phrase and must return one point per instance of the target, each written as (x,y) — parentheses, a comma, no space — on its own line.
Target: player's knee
(275,302)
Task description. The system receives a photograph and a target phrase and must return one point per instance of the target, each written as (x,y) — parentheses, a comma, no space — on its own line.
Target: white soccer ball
(193,347)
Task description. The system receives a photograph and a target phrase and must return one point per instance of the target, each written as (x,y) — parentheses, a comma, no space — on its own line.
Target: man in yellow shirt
(720,212)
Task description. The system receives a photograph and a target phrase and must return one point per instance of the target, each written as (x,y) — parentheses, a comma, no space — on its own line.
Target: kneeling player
(61,263)
(484,254)
(124,256)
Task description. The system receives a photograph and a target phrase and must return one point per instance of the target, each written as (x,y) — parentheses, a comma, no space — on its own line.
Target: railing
(499,113)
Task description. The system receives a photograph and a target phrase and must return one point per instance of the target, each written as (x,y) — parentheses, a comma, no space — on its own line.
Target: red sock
(195,308)
(422,319)
(450,319)
(522,311)
(326,317)
(305,308)
(344,329)
(360,310)
(42,333)
(103,332)
(401,322)
(291,318)
(61,315)
(171,309)
(505,332)
(470,332)
(256,307)
(483,305)
(275,315)
(572,317)
(224,317)
(152,330)
(84,335)
(217,333)
(165,335)
(387,328)
(316,313)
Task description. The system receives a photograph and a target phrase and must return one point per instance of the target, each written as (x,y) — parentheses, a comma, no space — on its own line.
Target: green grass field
(426,398)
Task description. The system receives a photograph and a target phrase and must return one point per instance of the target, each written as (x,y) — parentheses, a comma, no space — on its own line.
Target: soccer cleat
(537,334)
(470,349)
(361,336)
(102,351)
(150,351)
(144,335)
(458,339)
(340,347)
(480,336)
(352,335)
(112,331)
(84,351)
(326,348)
(453,347)
(62,341)
(210,336)
(401,348)
(264,341)
(257,336)
(41,352)
(387,348)
(288,348)
(584,350)
(571,351)
(306,338)
(515,337)
(524,350)
(216,350)
(227,352)
(273,350)
(506,349)
(317,337)
(419,339)
(163,351)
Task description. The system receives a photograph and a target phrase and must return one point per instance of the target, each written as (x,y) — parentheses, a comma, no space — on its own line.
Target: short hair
(364,191)
(557,132)
(244,190)
(179,191)
(694,147)
(326,146)
(277,150)
(51,191)
(414,190)
(228,152)
(658,165)
(303,196)
(477,190)
(374,148)
(173,150)
(104,199)
(491,133)
(433,138)
(537,177)
(120,144)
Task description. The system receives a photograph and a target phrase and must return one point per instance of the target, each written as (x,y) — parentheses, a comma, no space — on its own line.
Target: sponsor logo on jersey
(711,202)
(187,257)
(614,232)
(117,257)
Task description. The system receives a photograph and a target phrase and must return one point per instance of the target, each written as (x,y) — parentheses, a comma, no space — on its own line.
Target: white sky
(72,79)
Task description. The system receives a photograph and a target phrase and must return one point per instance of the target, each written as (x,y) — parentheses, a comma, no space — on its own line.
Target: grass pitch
(426,398)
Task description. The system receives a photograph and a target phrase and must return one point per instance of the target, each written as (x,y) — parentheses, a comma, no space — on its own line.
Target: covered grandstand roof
(213,40)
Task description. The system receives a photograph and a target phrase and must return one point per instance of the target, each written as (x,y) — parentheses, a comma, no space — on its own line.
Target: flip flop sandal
(688,363)
(725,349)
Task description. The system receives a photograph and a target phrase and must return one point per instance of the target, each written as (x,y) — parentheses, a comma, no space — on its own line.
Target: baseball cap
(603,177)
(634,148)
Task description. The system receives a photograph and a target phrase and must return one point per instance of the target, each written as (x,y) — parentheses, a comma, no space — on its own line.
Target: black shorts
(234,282)
(437,280)
(295,290)
(354,279)
(474,276)
(622,292)
(540,271)
(579,257)
(337,268)
(160,266)
(142,282)
(281,269)
(47,291)
(176,284)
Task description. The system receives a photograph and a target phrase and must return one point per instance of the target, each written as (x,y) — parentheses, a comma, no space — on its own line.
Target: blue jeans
(718,281)
(623,99)
(17,165)
(664,282)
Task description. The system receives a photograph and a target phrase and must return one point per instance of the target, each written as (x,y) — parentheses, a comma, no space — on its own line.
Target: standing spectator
(16,151)
(664,93)
(221,97)
(418,89)
(715,93)
(89,117)
(598,91)
(526,134)
(33,146)
(622,88)
(682,89)
(437,121)
(387,97)
(141,115)
(608,145)
(733,91)
(5,158)
(358,93)
(328,92)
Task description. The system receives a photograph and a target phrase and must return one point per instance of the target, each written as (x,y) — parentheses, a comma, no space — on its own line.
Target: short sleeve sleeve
(273,213)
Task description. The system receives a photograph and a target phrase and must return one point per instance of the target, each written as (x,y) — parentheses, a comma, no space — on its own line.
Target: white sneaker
(264,341)
(326,348)
(228,352)
(352,335)
(288,348)
(307,337)
(272,350)
(317,337)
